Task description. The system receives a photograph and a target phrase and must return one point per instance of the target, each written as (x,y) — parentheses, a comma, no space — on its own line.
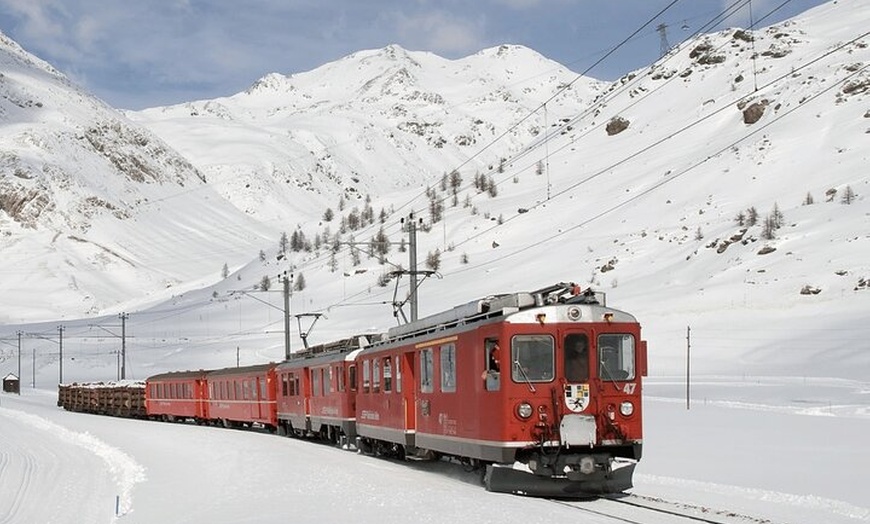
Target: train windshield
(532,358)
(616,357)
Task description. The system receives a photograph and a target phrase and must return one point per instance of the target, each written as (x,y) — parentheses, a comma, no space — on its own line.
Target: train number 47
(628,389)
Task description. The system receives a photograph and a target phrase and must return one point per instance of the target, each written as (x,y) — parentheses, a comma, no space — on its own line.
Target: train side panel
(243,396)
(177,396)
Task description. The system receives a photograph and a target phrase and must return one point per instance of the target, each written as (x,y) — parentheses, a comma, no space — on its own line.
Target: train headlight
(626,408)
(574,313)
(524,410)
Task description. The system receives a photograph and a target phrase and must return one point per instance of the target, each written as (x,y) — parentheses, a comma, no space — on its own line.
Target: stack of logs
(125,399)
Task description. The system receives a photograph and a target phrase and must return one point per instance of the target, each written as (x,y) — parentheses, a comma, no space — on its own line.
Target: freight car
(542,389)
(117,399)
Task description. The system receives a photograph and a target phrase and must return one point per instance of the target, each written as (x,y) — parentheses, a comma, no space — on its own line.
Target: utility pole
(286,279)
(412,241)
(123,317)
(19,363)
(60,361)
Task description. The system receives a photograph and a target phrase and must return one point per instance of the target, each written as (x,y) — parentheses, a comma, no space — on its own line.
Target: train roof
(499,305)
(178,375)
(243,370)
(330,351)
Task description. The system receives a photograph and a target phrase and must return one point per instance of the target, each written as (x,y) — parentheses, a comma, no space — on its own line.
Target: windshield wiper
(525,375)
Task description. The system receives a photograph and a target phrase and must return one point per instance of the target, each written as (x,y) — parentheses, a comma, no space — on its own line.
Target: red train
(542,388)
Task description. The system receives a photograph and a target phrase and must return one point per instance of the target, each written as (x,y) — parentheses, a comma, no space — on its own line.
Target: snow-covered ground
(788,450)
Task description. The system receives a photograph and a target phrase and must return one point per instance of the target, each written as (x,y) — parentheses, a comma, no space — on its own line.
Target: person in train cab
(494,354)
(576,359)
(493,365)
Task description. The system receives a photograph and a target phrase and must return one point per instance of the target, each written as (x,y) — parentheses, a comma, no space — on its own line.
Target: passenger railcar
(317,391)
(243,396)
(178,395)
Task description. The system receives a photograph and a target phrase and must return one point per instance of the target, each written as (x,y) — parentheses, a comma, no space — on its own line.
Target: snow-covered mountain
(374,122)
(90,203)
(634,187)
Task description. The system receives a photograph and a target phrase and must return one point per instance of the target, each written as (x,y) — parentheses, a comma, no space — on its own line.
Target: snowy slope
(92,205)
(727,122)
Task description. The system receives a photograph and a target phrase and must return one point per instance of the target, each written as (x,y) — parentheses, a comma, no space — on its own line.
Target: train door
(260,398)
(407,381)
(576,370)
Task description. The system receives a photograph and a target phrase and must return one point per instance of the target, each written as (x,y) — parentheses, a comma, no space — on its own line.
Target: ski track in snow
(124,470)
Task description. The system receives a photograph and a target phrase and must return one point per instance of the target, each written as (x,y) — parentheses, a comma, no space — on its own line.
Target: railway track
(639,509)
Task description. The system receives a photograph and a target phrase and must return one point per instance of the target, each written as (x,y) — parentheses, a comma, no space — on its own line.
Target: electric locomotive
(543,388)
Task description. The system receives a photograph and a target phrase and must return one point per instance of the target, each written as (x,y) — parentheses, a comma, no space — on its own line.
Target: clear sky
(145,53)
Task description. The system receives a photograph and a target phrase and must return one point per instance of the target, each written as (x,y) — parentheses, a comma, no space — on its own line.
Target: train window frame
(388,374)
(427,371)
(398,374)
(575,357)
(617,357)
(447,356)
(351,376)
(528,368)
(491,364)
(366,376)
(376,375)
(315,382)
(339,379)
(327,380)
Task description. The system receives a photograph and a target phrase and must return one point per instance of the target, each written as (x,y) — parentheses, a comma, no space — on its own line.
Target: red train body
(243,396)
(176,396)
(542,388)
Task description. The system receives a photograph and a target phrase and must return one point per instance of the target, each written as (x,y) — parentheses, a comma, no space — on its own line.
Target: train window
(616,357)
(398,375)
(327,380)
(339,376)
(285,385)
(315,382)
(351,376)
(366,376)
(576,347)
(492,364)
(427,371)
(532,358)
(448,368)
(262,389)
(238,391)
(376,375)
(388,375)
